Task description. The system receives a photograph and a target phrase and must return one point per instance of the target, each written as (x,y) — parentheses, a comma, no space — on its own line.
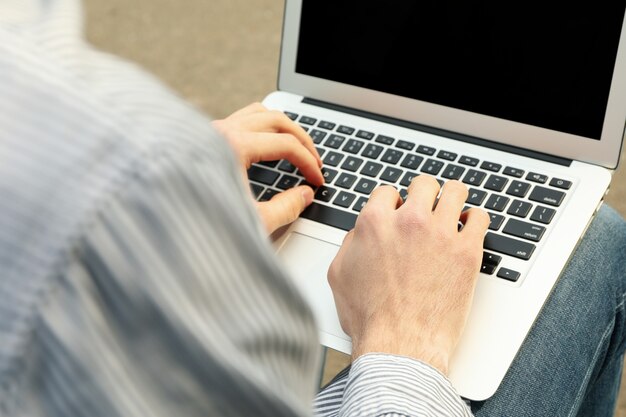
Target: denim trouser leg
(571,362)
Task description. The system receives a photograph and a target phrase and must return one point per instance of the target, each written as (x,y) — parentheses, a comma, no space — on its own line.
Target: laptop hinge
(441,132)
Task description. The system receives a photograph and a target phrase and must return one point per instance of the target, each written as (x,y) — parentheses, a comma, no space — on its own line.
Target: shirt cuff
(383,384)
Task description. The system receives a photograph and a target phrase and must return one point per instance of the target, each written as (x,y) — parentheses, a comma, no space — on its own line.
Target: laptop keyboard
(521,204)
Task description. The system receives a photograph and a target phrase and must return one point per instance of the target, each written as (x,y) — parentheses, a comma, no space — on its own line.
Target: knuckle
(457,187)
(410,220)
(481,215)
(430,181)
(371,214)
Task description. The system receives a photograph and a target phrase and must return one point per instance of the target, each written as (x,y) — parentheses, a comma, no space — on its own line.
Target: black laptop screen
(547,64)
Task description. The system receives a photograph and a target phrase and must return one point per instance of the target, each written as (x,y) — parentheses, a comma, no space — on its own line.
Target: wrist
(425,350)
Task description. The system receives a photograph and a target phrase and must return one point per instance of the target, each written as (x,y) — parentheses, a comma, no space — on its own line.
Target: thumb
(284,207)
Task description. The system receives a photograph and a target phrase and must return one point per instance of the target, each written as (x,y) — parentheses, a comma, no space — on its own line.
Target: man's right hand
(404,278)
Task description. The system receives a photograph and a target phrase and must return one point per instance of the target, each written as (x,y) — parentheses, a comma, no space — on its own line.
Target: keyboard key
(489,263)
(412,161)
(508,274)
(533,176)
(372,151)
(353,146)
(426,150)
(513,172)
(496,183)
(329,174)
(448,156)
(491,259)
(491,166)
(360,203)
(345,180)
(391,174)
(432,166)
(488,269)
(365,186)
(547,196)
(344,199)
(287,181)
(559,183)
(291,115)
(333,159)
(371,169)
(403,144)
(408,177)
(317,136)
(453,172)
(495,221)
(364,134)
(307,120)
(392,156)
(256,189)
(334,141)
(508,246)
(320,151)
(352,164)
(326,125)
(286,166)
(404,193)
(268,194)
(271,164)
(346,130)
(524,230)
(330,216)
(474,177)
(325,193)
(262,175)
(518,188)
(497,202)
(466,160)
(305,128)
(543,214)
(387,140)
(519,208)
(476,197)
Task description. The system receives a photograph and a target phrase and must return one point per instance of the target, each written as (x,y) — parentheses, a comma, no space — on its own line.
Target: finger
(284,207)
(274,121)
(475,223)
(384,196)
(422,193)
(451,201)
(276,146)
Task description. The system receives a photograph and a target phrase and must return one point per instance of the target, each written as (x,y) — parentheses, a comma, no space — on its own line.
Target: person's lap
(571,361)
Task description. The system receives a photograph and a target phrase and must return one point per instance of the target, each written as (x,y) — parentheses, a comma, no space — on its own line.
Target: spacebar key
(330,216)
(508,246)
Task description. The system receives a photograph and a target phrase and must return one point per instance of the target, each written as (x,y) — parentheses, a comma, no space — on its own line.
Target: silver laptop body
(527,108)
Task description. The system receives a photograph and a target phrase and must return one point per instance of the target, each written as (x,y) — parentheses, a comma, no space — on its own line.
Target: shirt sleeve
(388,385)
(172,303)
(147,285)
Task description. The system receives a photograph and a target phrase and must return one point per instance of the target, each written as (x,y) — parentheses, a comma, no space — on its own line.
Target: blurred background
(220,55)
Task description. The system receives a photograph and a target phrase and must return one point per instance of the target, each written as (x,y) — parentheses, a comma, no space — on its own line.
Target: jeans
(571,362)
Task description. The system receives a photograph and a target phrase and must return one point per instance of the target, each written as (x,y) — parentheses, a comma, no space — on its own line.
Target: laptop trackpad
(307,260)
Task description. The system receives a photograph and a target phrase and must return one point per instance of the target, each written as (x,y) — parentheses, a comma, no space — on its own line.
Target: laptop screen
(543,64)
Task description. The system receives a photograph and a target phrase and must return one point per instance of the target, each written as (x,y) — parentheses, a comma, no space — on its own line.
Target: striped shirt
(135,276)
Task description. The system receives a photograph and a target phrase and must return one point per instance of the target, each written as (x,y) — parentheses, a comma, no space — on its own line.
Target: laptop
(525,105)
